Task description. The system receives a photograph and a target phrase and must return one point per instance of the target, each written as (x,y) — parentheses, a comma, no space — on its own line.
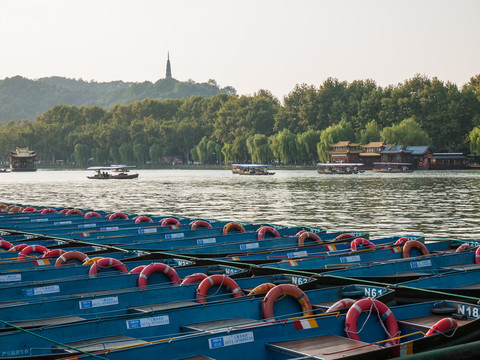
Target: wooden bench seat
(219,325)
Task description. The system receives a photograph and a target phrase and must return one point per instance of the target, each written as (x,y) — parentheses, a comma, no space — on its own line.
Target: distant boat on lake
(23,159)
(251,169)
(122,172)
(339,168)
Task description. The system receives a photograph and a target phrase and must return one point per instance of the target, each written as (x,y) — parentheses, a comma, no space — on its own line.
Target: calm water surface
(435,204)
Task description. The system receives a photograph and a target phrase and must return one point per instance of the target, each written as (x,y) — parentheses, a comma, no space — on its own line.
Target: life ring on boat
(3,207)
(341,305)
(48,211)
(300,233)
(194,225)
(420,163)
(401,241)
(137,269)
(157,267)
(169,221)
(309,235)
(220,280)
(193,279)
(15,209)
(411,244)
(73,212)
(369,304)
(18,247)
(360,242)
(71,255)
(343,237)
(117,215)
(29,209)
(477,256)
(91,261)
(267,229)
(463,247)
(232,225)
(92,214)
(442,326)
(282,290)
(143,218)
(4,244)
(261,289)
(54,253)
(31,249)
(63,211)
(107,263)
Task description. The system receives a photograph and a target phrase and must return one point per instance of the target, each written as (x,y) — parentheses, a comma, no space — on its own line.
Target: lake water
(431,203)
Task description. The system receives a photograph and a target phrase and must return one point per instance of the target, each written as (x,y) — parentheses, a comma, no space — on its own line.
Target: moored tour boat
(103,174)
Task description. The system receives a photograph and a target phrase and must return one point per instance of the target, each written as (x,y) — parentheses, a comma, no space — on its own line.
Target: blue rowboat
(375,332)
(169,319)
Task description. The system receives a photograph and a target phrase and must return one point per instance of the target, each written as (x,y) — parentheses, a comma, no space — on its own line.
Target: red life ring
(15,209)
(282,290)
(117,215)
(232,225)
(71,255)
(48,211)
(343,237)
(261,289)
(341,305)
(29,210)
(107,263)
(369,304)
(300,233)
(309,235)
(143,218)
(477,256)
(267,229)
(200,223)
(18,247)
(31,249)
(463,247)
(4,244)
(194,278)
(420,163)
(54,253)
(413,243)
(137,269)
(63,211)
(360,242)
(401,241)
(73,212)
(157,267)
(92,214)
(220,280)
(442,326)
(169,221)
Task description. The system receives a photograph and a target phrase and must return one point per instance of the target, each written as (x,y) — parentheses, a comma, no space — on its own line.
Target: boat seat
(321,347)
(218,325)
(58,320)
(161,306)
(97,344)
(11,303)
(461,267)
(424,323)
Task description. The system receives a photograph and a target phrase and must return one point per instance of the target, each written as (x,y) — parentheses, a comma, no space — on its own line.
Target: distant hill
(22,98)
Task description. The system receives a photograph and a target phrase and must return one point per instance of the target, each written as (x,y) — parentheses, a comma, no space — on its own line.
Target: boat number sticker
(420,264)
(10,277)
(373,292)
(147,231)
(42,290)
(16,353)
(469,310)
(147,322)
(230,340)
(297,254)
(184,262)
(347,259)
(85,226)
(249,246)
(206,241)
(56,223)
(174,236)
(110,228)
(231,270)
(297,280)
(39,220)
(88,304)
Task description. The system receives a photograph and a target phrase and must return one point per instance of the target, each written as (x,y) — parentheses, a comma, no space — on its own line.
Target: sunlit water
(436,204)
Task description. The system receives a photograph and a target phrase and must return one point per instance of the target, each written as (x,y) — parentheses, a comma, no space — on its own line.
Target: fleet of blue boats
(90,284)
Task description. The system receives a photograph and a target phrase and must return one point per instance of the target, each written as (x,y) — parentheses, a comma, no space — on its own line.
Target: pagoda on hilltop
(168,75)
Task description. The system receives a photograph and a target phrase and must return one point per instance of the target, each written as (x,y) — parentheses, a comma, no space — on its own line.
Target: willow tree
(259,148)
(284,146)
(342,131)
(407,133)
(474,137)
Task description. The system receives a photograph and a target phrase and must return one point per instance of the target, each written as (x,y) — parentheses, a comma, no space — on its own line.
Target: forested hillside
(22,98)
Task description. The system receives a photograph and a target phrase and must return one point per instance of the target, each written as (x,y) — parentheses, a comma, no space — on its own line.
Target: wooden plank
(164,306)
(109,342)
(47,321)
(219,324)
(426,322)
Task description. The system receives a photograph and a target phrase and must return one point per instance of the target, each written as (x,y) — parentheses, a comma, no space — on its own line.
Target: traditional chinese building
(445,161)
(420,156)
(395,154)
(371,153)
(23,159)
(345,152)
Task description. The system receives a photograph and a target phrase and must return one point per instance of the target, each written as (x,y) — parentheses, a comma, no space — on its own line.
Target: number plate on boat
(229,340)
(206,241)
(10,277)
(85,226)
(147,322)
(297,254)
(469,310)
(56,223)
(174,236)
(38,220)
(347,259)
(249,246)
(42,290)
(420,264)
(111,228)
(147,231)
(88,304)
(373,292)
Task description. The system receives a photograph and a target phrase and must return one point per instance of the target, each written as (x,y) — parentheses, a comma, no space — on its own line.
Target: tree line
(258,128)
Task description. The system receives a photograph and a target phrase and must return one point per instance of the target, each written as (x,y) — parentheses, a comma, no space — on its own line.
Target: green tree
(370,133)
(407,133)
(81,154)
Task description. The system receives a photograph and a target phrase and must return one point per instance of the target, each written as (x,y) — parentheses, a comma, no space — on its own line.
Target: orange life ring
(369,304)
(232,225)
(169,221)
(157,267)
(413,243)
(220,280)
(143,218)
(107,263)
(29,209)
(343,237)
(54,253)
(359,242)
(341,305)
(267,229)
(463,247)
(401,241)
(18,247)
(137,269)
(4,244)
(92,214)
(15,209)
(477,256)
(31,249)
(48,211)
(309,235)
(194,278)
(71,255)
(73,212)
(442,326)
(300,233)
(117,215)
(261,289)
(200,223)
(63,211)
(281,290)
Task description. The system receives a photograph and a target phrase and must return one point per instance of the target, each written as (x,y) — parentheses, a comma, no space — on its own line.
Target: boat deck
(58,320)
(104,343)
(219,325)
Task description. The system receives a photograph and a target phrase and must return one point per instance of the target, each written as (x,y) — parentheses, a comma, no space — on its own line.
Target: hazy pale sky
(248,44)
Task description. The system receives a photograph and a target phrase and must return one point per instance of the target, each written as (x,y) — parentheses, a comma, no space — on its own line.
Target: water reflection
(440,204)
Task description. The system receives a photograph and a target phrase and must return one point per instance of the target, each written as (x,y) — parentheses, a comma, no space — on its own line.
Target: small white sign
(10,277)
(420,264)
(148,322)
(347,259)
(88,304)
(56,223)
(42,290)
(297,254)
(249,246)
(175,236)
(206,241)
(230,340)
(85,226)
(147,231)
(111,228)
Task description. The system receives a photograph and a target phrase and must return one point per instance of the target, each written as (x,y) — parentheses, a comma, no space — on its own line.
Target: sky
(247,44)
